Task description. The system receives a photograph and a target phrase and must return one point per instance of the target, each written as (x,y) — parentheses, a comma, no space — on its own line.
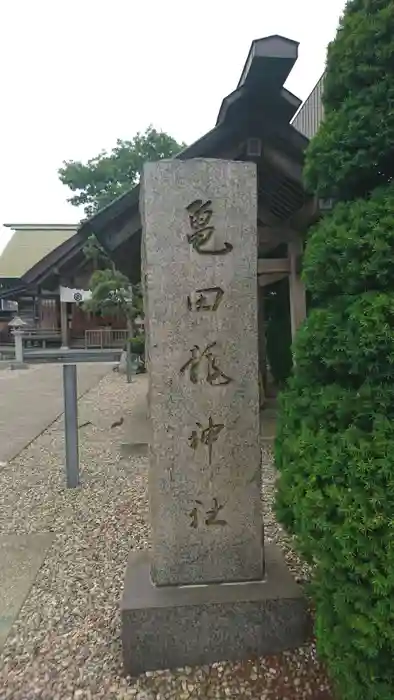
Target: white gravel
(65,644)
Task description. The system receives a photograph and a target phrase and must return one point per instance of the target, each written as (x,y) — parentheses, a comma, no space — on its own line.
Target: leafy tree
(109,175)
(335,447)
(97,183)
(112,292)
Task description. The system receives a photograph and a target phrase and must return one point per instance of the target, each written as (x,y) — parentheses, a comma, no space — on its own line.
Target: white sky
(75,75)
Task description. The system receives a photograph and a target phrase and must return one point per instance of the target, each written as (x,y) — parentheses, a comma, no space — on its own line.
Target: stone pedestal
(173,626)
(207,563)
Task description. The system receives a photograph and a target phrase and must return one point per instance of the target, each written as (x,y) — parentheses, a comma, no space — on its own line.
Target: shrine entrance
(282,303)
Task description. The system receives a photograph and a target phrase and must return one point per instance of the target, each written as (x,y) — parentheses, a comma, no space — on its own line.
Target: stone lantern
(139,324)
(17,326)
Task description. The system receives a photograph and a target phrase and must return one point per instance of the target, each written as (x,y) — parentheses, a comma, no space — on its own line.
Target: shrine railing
(105,338)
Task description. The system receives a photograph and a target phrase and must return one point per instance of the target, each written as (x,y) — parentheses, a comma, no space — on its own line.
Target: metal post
(71,424)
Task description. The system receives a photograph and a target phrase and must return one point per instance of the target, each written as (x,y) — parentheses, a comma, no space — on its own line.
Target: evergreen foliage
(335,442)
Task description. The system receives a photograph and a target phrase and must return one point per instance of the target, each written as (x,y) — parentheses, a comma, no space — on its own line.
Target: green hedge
(335,442)
(351,249)
(334,450)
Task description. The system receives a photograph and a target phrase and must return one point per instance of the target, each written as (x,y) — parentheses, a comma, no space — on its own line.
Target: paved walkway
(21,557)
(32,399)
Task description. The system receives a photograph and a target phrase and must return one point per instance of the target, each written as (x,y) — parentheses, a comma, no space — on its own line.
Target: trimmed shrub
(351,249)
(335,442)
(137,345)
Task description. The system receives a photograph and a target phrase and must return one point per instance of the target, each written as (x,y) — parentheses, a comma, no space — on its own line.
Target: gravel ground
(65,644)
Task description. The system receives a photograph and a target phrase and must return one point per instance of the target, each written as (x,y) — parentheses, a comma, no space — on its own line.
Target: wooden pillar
(296,286)
(64,323)
(262,345)
(36,313)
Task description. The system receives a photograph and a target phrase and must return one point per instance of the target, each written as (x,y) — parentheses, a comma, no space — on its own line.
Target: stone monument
(208,589)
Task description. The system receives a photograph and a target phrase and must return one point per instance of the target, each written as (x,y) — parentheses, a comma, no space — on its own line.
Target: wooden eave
(259,108)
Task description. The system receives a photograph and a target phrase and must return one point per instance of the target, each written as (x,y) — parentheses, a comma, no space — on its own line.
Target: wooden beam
(267,246)
(282,234)
(291,168)
(307,215)
(269,265)
(271,278)
(116,236)
(64,324)
(233,152)
(262,346)
(266,218)
(269,237)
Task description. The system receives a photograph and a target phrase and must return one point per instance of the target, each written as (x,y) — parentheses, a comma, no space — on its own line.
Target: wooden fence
(105,338)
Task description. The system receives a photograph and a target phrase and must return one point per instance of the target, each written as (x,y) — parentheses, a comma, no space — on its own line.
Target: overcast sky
(78,74)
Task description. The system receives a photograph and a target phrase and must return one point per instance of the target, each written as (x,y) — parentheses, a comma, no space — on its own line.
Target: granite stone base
(172,626)
(18,365)
(133,449)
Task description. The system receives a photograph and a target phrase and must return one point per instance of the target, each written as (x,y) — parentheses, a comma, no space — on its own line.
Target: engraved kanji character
(203,302)
(208,436)
(200,214)
(212,514)
(214,375)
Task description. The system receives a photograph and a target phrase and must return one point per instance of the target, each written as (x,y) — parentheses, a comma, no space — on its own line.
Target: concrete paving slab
(136,426)
(21,556)
(136,431)
(32,399)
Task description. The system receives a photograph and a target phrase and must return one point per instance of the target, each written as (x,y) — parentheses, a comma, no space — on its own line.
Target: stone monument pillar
(203,593)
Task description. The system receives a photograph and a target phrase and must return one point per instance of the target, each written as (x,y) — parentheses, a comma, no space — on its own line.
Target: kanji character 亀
(200,214)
